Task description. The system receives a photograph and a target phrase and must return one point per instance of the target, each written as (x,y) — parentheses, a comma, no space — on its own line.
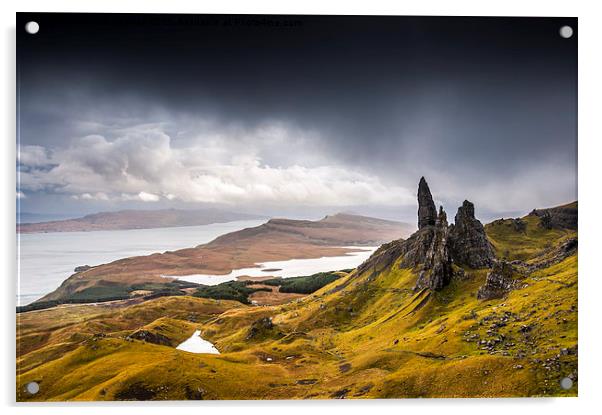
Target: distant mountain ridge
(31,217)
(339,229)
(137,219)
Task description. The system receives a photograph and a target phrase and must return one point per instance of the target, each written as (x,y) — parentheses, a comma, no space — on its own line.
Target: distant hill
(136,219)
(275,240)
(335,230)
(30,217)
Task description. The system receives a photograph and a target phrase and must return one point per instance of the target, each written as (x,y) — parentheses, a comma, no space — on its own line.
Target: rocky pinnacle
(436,247)
(468,242)
(427,213)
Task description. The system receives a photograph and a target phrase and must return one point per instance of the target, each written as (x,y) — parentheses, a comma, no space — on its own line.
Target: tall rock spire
(427,213)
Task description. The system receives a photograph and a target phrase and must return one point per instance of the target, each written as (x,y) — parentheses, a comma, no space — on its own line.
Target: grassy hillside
(364,335)
(524,238)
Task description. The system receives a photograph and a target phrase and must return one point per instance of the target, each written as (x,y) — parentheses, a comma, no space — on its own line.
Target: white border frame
(590,288)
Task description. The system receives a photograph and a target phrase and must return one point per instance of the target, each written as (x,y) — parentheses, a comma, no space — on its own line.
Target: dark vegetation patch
(241,290)
(110,291)
(231,290)
(37,306)
(304,285)
(306,381)
(105,292)
(136,392)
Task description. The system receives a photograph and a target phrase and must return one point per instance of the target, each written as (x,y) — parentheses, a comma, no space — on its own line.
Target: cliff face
(437,271)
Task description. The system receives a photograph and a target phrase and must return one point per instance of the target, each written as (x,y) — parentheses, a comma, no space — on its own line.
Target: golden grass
(516,245)
(373,338)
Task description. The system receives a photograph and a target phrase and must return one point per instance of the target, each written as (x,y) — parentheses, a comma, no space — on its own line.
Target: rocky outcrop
(150,337)
(427,213)
(260,328)
(414,249)
(467,239)
(498,283)
(548,257)
(519,225)
(558,217)
(437,269)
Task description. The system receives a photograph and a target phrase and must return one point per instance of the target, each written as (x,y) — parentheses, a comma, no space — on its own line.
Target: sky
(295,116)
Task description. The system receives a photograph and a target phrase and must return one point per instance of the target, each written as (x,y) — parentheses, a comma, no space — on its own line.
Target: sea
(45,260)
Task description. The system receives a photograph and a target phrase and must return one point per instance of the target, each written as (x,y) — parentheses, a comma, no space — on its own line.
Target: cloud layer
(142,164)
(339,113)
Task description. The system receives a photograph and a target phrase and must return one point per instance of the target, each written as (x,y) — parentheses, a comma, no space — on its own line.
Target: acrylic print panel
(295,207)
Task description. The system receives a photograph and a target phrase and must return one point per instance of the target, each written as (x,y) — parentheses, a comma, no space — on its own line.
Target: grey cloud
(486,109)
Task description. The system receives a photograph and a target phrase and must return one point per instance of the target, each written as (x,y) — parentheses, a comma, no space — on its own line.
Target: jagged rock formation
(498,283)
(437,271)
(427,213)
(468,242)
(435,247)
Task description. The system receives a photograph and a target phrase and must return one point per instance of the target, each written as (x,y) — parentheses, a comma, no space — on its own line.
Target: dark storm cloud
(484,107)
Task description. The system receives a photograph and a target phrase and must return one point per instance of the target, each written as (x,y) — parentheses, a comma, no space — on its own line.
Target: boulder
(467,239)
(498,283)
